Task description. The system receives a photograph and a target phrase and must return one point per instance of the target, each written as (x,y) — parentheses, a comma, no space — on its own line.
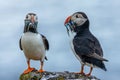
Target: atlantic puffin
(84,44)
(33,44)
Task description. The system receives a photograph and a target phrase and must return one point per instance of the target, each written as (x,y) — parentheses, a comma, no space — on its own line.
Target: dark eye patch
(27,16)
(77,16)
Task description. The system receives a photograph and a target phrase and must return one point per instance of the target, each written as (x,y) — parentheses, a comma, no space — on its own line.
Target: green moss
(24,76)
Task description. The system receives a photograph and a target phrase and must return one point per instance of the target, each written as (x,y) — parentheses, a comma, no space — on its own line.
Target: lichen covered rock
(34,75)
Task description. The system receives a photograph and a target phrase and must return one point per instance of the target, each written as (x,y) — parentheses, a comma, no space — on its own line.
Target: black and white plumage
(33,44)
(84,44)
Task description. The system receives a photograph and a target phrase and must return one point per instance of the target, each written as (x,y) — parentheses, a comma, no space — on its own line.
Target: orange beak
(67,20)
(32,19)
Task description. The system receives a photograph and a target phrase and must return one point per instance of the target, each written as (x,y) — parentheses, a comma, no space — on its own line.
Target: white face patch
(29,17)
(78,19)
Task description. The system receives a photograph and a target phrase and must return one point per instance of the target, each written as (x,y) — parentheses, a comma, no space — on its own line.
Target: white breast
(72,35)
(33,46)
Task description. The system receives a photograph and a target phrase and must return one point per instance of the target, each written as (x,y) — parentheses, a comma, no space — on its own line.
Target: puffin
(32,43)
(84,44)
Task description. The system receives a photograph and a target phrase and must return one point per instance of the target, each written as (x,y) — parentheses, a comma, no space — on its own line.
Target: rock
(34,75)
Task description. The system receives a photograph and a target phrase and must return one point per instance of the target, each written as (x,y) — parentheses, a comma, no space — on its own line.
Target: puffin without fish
(84,44)
(33,44)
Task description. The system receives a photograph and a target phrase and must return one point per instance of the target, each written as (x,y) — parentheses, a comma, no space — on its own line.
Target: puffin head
(77,22)
(31,22)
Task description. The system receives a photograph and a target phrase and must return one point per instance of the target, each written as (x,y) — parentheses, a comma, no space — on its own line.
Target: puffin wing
(46,43)
(98,52)
(20,44)
(88,47)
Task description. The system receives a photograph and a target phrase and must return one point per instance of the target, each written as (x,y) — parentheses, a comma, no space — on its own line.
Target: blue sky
(104,24)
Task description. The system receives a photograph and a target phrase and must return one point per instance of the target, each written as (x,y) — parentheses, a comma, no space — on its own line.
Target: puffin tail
(100,64)
(46,58)
(95,62)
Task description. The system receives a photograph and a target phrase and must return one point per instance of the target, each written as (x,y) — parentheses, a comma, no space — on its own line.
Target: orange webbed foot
(28,70)
(41,71)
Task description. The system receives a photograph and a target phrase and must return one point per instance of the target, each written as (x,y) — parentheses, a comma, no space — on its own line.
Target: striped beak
(69,24)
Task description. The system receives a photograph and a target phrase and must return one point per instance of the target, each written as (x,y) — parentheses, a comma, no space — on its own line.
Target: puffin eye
(28,17)
(77,16)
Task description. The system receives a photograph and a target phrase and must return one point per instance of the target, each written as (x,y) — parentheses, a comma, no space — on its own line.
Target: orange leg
(29,69)
(82,70)
(91,68)
(41,67)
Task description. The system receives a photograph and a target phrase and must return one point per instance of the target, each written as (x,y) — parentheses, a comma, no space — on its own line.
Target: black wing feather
(20,44)
(46,43)
(96,45)
(88,46)
(83,46)
(89,50)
